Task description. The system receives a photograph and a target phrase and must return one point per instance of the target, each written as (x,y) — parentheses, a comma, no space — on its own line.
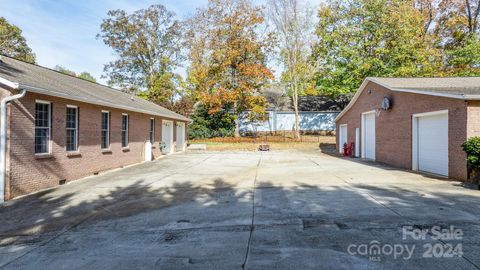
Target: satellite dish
(385,103)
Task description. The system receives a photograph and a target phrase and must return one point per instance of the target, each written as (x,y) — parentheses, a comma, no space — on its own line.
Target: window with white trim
(72,128)
(105,130)
(124,130)
(152,130)
(42,127)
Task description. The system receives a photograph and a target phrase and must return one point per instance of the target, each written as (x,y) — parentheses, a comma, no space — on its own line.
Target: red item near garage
(345,149)
(350,149)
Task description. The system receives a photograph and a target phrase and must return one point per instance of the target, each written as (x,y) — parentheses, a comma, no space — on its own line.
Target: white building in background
(316,113)
(285,121)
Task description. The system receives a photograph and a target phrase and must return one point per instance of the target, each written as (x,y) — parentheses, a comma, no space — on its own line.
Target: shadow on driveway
(206,224)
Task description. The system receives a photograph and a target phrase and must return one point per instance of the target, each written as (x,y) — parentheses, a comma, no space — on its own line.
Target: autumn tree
(147,44)
(457,31)
(428,9)
(13,44)
(228,48)
(293,24)
(362,38)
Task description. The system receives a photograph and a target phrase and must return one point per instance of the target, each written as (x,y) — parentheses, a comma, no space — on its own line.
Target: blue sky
(62,32)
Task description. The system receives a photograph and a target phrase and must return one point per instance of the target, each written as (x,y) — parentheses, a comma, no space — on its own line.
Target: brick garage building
(60,128)
(413,123)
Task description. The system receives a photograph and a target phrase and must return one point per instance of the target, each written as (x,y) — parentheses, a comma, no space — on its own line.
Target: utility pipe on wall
(3,139)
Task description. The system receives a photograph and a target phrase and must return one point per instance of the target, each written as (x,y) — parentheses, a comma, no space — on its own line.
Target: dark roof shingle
(311,104)
(42,80)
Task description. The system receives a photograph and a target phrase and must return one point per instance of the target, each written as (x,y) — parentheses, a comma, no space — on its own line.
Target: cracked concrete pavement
(196,211)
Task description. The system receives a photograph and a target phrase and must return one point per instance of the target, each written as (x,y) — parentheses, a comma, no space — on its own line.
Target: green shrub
(205,125)
(472,148)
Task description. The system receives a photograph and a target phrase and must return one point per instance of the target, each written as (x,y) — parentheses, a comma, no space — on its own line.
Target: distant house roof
(466,88)
(309,104)
(41,80)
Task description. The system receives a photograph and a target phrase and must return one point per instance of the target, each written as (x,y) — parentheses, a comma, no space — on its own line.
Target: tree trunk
(469,15)
(237,125)
(475,17)
(237,128)
(295,107)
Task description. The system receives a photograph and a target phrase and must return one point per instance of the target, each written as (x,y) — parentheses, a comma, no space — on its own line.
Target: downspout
(3,139)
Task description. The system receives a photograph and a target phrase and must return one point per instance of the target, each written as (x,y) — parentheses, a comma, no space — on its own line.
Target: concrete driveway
(274,210)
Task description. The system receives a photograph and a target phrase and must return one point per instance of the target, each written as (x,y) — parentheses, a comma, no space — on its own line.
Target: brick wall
(28,172)
(473,125)
(393,128)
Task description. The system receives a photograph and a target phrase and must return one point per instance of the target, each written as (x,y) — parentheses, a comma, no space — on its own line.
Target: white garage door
(167,136)
(433,143)
(180,136)
(368,135)
(342,137)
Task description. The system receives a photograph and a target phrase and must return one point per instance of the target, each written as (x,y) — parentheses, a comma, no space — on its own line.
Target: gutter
(8,83)
(472,97)
(3,137)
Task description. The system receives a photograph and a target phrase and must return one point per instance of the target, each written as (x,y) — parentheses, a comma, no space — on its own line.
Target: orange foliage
(228,56)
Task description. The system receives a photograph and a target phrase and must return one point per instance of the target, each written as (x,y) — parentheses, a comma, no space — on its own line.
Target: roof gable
(467,88)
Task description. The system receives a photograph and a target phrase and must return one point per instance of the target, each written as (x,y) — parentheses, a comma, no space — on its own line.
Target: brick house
(56,128)
(413,123)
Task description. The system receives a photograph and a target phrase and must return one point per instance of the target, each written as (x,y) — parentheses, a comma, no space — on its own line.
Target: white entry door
(357,142)
(368,135)
(148,151)
(167,136)
(342,137)
(432,143)
(180,138)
